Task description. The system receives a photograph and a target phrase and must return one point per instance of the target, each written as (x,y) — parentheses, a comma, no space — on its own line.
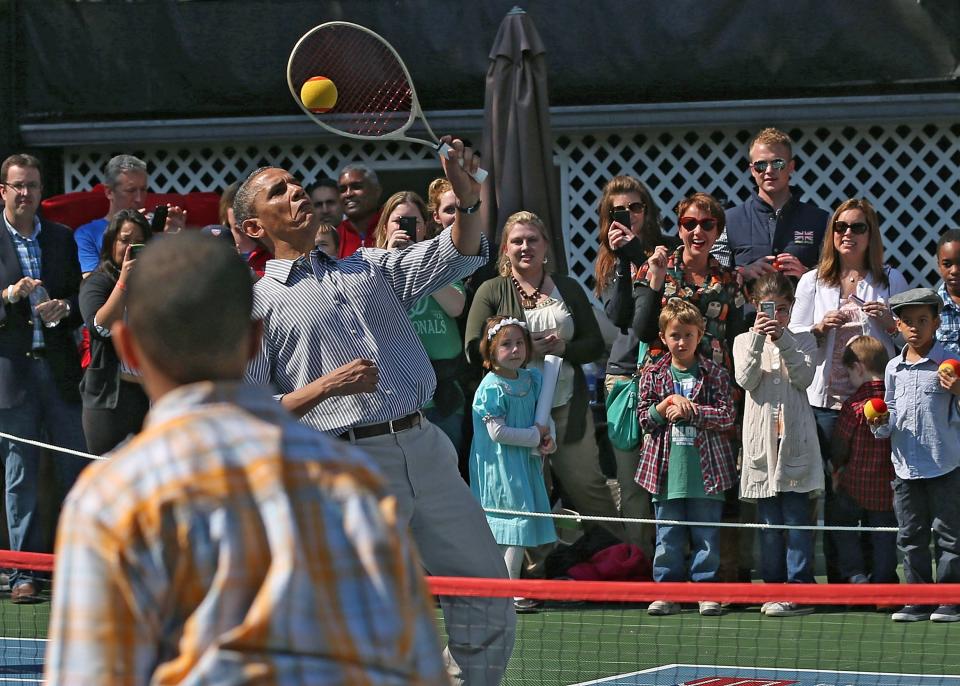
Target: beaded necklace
(529,300)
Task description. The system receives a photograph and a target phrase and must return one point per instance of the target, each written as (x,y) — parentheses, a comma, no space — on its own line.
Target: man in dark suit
(39,364)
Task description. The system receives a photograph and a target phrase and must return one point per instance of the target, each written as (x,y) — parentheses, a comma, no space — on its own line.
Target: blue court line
(22,661)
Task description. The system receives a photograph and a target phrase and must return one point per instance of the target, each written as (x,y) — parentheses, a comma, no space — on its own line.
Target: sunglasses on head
(635,207)
(760,166)
(690,223)
(858,228)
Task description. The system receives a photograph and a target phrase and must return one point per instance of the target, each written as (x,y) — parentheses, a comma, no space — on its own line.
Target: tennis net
(601,632)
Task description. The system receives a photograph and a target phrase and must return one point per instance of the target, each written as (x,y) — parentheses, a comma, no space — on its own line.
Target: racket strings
(374,95)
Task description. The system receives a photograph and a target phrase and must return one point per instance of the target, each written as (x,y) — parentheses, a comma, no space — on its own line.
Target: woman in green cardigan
(561,322)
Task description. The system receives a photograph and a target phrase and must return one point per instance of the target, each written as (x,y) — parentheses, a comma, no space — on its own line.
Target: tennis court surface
(600,633)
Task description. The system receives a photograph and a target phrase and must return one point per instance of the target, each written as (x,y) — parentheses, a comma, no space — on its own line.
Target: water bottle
(38,296)
(590,372)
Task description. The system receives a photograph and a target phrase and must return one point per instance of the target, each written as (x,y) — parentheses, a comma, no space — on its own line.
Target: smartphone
(409,224)
(769,308)
(622,216)
(159,218)
(135,249)
(856,299)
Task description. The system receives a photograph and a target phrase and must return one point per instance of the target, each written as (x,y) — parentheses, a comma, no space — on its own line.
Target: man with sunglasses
(774,230)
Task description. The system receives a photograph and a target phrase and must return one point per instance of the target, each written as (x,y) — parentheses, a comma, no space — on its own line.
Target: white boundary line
(947,678)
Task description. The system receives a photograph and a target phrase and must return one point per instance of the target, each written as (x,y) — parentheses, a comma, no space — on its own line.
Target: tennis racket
(375,95)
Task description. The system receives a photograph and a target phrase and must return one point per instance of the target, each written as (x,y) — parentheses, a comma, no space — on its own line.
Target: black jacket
(60,273)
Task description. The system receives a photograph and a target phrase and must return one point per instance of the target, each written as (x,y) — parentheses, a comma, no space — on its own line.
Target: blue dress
(509,477)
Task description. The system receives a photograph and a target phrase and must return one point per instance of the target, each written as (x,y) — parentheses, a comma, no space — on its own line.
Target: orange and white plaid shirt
(229,544)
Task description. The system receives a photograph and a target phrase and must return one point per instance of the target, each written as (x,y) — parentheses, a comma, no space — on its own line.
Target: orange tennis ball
(950,365)
(319,94)
(873,408)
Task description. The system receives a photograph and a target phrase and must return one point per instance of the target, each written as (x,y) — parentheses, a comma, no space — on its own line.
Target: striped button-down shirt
(320,313)
(28,253)
(229,544)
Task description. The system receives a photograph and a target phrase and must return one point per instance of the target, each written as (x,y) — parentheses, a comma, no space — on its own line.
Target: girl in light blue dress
(506,456)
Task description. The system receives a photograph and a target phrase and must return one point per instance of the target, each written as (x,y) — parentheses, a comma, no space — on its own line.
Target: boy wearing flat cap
(924,427)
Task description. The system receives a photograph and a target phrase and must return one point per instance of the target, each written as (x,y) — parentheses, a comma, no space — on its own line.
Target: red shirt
(350,240)
(257,260)
(867,475)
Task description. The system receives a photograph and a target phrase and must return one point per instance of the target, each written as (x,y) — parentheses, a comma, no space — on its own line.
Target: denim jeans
(826,421)
(43,416)
(850,544)
(786,555)
(451,425)
(922,504)
(670,559)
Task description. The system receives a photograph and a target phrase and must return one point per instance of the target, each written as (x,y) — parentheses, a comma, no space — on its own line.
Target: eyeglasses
(635,207)
(760,166)
(858,228)
(690,223)
(30,186)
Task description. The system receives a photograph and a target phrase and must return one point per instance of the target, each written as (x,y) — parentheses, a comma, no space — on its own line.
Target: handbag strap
(642,348)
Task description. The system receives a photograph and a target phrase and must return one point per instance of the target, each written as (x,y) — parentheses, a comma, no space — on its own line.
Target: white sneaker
(766,606)
(661,608)
(788,609)
(710,608)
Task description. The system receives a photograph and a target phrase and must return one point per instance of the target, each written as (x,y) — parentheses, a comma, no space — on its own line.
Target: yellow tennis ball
(319,94)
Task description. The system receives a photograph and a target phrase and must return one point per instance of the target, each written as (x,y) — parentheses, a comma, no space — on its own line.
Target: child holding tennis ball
(506,472)
(781,468)
(924,429)
(862,470)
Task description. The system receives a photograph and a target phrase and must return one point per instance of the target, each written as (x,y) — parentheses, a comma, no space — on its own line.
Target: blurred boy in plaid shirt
(948,263)
(863,472)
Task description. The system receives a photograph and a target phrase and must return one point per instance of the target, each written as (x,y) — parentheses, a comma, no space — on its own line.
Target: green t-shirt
(684,473)
(437,330)
(439,333)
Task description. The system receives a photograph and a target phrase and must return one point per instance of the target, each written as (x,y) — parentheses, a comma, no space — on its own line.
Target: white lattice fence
(910,173)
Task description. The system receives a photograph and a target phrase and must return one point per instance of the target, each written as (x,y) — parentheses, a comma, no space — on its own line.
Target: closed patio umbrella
(517,146)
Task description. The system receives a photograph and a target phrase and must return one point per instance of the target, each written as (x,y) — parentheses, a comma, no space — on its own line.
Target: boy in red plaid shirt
(863,472)
(685,405)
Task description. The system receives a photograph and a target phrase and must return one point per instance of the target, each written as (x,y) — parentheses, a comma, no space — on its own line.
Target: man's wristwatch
(468,210)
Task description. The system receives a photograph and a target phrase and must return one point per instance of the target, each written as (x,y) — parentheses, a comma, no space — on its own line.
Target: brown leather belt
(391,427)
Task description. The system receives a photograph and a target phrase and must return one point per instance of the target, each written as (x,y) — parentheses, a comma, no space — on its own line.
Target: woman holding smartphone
(403,222)
(844,297)
(114,403)
(629,233)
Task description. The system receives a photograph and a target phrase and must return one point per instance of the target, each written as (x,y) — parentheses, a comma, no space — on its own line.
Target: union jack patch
(803,237)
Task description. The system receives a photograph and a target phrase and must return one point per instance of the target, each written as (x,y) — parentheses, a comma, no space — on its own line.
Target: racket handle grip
(481,174)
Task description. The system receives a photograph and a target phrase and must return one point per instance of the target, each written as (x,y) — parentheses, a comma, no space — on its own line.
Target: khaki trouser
(634,500)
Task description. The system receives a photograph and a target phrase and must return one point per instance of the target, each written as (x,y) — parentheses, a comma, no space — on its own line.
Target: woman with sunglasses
(844,297)
(623,251)
(691,273)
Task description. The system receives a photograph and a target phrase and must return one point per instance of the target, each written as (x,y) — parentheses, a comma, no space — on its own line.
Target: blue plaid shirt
(949,332)
(28,252)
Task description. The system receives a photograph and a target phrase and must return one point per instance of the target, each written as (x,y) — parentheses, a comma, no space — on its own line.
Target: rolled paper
(551,372)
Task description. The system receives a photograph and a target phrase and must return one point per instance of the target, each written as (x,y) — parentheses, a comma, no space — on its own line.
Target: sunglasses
(635,207)
(858,228)
(690,223)
(760,166)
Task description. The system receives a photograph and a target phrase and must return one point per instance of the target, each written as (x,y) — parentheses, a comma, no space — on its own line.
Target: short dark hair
(19,160)
(868,351)
(243,201)
(323,182)
(113,228)
(948,236)
(184,325)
